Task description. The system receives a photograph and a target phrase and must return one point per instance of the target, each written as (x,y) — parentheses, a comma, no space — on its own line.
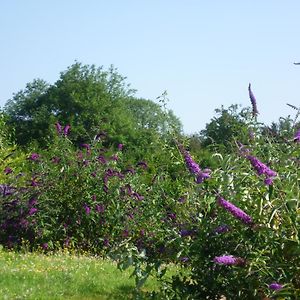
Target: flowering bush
(231,233)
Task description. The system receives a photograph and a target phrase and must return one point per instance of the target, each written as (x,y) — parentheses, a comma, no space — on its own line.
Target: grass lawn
(63,276)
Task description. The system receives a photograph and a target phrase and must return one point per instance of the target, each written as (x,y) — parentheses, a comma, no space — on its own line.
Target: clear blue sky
(204,53)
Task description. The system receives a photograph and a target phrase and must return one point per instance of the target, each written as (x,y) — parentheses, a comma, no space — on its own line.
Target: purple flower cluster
(253,101)
(193,167)
(221,229)
(297,136)
(262,169)
(229,260)
(61,130)
(235,211)
(275,286)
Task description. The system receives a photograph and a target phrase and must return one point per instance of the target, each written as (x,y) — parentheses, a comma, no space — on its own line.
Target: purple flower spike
(275,286)
(32,211)
(222,229)
(229,260)
(34,157)
(120,147)
(262,169)
(58,127)
(87,209)
(67,130)
(7,170)
(235,211)
(193,167)
(253,101)
(297,137)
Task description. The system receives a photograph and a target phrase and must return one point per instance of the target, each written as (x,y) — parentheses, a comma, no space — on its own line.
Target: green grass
(63,276)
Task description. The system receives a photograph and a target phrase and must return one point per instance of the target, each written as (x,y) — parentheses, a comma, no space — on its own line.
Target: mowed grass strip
(63,276)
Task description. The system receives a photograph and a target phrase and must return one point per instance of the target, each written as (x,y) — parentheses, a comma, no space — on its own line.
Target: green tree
(89,99)
(229,125)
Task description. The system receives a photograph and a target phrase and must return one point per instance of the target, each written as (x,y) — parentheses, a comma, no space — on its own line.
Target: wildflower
(235,211)
(130,170)
(87,147)
(7,170)
(114,157)
(45,246)
(32,211)
(34,157)
(32,202)
(142,164)
(34,183)
(193,167)
(222,229)
(120,147)
(101,159)
(67,130)
(202,175)
(58,127)
(297,136)
(100,208)
(94,197)
(87,209)
(253,101)
(262,169)
(229,260)
(275,286)
(137,196)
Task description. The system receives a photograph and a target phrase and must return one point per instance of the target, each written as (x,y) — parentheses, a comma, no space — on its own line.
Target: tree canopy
(90,100)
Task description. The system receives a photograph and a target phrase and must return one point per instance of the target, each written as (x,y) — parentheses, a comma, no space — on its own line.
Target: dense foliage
(231,221)
(91,100)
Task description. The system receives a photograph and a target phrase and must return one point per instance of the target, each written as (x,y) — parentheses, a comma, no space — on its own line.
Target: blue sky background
(204,53)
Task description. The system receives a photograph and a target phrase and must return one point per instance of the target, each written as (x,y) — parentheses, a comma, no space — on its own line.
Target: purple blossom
(120,147)
(101,159)
(45,246)
(137,196)
(100,208)
(67,130)
(7,170)
(221,229)
(87,147)
(202,175)
(262,169)
(114,157)
(34,183)
(58,127)
(32,211)
(32,202)
(275,286)
(87,209)
(130,170)
(229,260)
(34,157)
(193,167)
(94,197)
(297,136)
(235,211)
(142,164)
(253,101)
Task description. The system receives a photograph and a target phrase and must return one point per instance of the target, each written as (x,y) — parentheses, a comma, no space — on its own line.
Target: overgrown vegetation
(136,194)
